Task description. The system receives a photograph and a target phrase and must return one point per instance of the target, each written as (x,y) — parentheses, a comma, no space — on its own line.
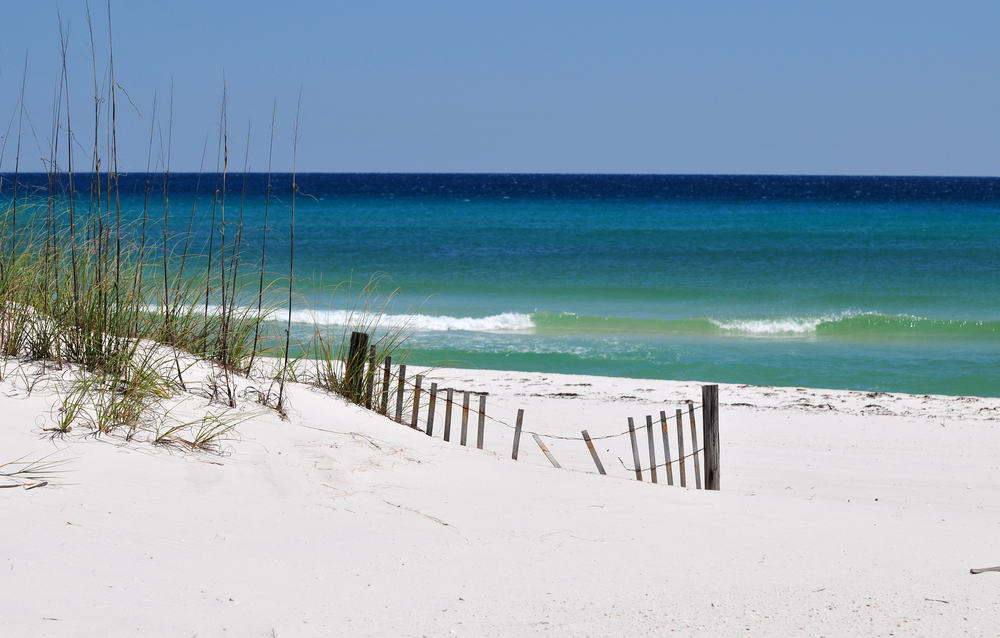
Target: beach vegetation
(25,471)
(366,312)
(139,315)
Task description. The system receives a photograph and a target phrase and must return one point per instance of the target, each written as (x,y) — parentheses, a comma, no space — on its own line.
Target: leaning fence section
(679,448)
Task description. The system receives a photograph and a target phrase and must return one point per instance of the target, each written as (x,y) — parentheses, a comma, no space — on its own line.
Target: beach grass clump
(329,349)
(206,433)
(80,303)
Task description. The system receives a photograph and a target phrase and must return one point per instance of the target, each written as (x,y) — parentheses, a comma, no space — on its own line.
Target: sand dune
(840,513)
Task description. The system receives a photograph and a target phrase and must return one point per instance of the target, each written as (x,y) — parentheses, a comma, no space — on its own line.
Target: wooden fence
(388,391)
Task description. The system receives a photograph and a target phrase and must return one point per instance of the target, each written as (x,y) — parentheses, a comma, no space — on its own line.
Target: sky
(767,87)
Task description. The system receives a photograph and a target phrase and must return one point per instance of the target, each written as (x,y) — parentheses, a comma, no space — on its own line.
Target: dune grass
(27,472)
(329,347)
(130,308)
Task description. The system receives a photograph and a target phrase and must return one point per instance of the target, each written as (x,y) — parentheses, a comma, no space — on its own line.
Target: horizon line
(519,174)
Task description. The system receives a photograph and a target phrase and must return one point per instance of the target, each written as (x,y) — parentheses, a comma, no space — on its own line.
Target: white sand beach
(840,513)
(219,220)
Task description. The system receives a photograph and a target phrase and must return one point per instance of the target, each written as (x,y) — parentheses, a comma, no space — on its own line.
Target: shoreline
(644,393)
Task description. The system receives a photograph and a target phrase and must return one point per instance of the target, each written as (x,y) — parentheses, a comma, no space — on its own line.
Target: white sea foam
(504,322)
(781,325)
(785,325)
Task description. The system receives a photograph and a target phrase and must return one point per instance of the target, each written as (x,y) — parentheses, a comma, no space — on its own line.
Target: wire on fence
(563,437)
(677,460)
(560,437)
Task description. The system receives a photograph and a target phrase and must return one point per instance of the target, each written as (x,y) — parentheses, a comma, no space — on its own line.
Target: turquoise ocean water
(865,283)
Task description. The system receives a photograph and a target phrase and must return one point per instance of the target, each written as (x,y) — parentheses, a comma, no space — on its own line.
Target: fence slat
(415,413)
(652,448)
(694,446)
(447,414)
(635,450)
(546,452)
(666,447)
(370,378)
(710,433)
(593,452)
(481,431)
(465,416)
(399,393)
(680,446)
(355,365)
(385,386)
(430,409)
(517,434)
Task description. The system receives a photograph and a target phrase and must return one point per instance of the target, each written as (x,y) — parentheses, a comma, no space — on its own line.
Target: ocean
(867,283)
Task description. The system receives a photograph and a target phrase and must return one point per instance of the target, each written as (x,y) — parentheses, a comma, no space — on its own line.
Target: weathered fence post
(430,409)
(370,378)
(482,422)
(652,448)
(415,414)
(710,433)
(593,452)
(447,414)
(680,446)
(355,365)
(694,444)
(546,452)
(666,447)
(399,393)
(465,416)
(635,450)
(386,374)
(517,433)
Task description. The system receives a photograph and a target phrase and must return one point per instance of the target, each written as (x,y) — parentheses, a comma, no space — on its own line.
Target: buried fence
(410,403)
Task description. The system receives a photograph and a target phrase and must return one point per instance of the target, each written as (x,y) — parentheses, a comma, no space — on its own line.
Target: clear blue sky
(533,86)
